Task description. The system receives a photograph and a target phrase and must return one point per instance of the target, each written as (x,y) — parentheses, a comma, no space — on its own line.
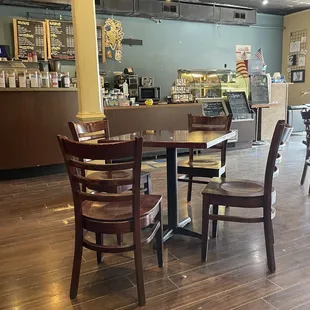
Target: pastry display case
(213,83)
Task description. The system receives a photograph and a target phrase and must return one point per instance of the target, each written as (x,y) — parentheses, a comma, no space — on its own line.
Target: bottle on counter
(125,89)
(45,80)
(66,80)
(34,80)
(59,80)
(29,57)
(11,78)
(34,56)
(22,79)
(2,79)
(54,79)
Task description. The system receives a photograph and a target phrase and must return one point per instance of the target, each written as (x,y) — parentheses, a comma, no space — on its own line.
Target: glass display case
(213,83)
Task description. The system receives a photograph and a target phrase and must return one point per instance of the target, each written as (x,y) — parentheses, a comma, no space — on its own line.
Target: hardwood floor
(36,249)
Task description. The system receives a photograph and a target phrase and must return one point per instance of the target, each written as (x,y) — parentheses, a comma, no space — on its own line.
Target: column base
(90,116)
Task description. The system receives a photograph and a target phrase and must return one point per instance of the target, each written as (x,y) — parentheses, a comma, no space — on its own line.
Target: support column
(86,54)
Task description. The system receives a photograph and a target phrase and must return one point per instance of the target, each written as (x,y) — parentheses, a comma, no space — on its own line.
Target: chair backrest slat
(305,114)
(106,197)
(95,167)
(271,169)
(90,131)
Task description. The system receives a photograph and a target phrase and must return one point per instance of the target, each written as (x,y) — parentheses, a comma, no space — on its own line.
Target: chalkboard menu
(213,107)
(238,105)
(29,36)
(60,39)
(259,89)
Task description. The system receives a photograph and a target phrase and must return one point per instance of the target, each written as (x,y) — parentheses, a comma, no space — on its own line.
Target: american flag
(259,55)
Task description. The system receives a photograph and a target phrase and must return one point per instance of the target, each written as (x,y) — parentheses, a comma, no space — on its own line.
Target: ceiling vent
(159,9)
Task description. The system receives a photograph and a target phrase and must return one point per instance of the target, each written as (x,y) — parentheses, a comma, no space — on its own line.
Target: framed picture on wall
(298,76)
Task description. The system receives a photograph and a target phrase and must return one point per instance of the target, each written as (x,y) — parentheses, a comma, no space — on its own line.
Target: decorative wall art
(296,60)
(113,37)
(298,76)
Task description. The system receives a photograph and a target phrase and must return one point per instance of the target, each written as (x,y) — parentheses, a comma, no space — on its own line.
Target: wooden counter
(30,122)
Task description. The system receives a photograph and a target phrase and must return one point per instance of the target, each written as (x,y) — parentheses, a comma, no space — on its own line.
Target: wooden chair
(208,168)
(244,194)
(306,117)
(82,132)
(102,213)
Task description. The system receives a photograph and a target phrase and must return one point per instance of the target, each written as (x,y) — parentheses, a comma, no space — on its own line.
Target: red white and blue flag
(259,54)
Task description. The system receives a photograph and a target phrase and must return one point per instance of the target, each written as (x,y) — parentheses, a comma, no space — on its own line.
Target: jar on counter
(65,80)
(45,80)
(54,79)
(22,79)
(11,78)
(2,79)
(34,80)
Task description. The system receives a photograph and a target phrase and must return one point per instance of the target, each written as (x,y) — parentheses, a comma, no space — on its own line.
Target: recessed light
(265,2)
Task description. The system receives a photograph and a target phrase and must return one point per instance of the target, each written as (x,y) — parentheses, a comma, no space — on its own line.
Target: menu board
(29,36)
(213,107)
(238,105)
(60,39)
(259,89)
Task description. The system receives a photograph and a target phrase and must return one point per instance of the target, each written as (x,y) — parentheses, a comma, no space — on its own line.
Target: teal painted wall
(174,45)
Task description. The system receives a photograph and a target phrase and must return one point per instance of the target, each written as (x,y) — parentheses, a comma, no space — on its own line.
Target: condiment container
(54,79)
(34,80)
(65,80)
(11,78)
(22,79)
(2,79)
(45,80)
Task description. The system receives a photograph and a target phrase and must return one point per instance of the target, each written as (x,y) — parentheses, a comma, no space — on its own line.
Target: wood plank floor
(36,248)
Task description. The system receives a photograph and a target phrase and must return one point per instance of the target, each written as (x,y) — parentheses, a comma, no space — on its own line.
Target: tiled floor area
(36,247)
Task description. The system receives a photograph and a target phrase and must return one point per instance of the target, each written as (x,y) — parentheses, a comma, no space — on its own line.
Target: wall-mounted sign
(60,39)
(29,36)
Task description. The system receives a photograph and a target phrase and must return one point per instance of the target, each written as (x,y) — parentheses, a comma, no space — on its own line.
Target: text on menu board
(213,107)
(238,104)
(60,40)
(29,36)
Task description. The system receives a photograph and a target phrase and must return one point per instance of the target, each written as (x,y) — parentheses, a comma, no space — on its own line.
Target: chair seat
(120,211)
(208,167)
(245,193)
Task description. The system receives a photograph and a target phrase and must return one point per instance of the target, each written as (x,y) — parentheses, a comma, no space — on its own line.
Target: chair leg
(269,240)
(189,189)
(99,241)
(304,174)
(148,186)
(214,222)
(77,260)
(139,273)
(119,239)
(205,228)
(159,239)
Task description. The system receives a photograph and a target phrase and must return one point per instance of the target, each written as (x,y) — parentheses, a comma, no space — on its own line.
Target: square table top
(178,138)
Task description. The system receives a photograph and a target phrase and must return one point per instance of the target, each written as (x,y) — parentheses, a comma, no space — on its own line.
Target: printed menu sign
(213,107)
(29,36)
(60,40)
(238,103)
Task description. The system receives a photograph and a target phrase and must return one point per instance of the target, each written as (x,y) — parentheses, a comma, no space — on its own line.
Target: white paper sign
(295,47)
(302,61)
(303,39)
(243,52)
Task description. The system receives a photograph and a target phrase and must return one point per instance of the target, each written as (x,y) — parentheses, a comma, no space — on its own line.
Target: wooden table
(172,140)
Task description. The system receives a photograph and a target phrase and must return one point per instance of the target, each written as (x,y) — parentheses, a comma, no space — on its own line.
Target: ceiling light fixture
(265,2)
